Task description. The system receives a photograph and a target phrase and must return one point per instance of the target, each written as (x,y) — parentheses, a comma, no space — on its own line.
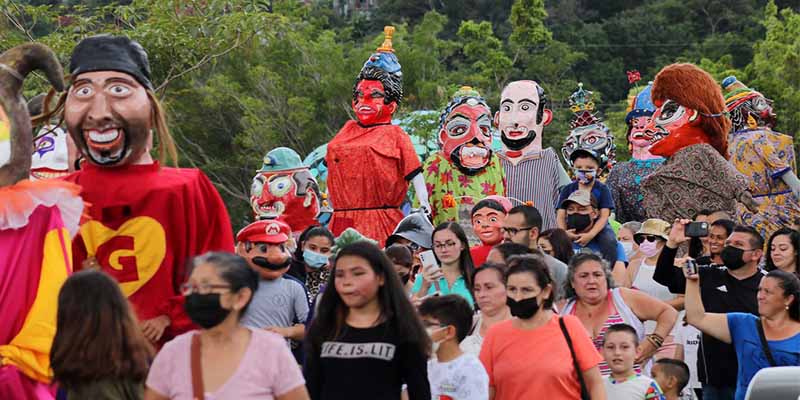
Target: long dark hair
(311,232)
(97,335)
(562,246)
(396,310)
(790,284)
(465,264)
(794,239)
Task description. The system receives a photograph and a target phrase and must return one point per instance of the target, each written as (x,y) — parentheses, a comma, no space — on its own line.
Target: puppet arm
(422,193)
(791,180)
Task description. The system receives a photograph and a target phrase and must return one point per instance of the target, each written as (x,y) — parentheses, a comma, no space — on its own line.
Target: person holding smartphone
(731,287)
(451,250)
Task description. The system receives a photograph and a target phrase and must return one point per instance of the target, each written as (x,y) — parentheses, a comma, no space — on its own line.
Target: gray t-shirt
(281,302)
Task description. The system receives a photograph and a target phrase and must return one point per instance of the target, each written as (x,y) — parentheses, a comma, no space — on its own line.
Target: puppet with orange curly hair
(690,129)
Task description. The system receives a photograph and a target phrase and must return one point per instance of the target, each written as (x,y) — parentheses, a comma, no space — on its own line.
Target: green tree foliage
(240,77)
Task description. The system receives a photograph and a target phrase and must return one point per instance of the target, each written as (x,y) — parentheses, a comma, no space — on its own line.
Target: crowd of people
(469,297)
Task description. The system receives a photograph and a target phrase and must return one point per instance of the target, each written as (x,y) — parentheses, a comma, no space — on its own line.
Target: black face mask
(263,263)
(523,309)
(205,309)
(579,222)
(732,257)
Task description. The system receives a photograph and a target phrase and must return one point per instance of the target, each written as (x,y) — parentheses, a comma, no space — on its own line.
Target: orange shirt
(526,364)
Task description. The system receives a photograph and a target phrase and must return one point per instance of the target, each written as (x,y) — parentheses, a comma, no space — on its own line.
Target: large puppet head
(110,109)
(522,116)
(284,188)
(264,245)
(640,114)
(15,122)
(748,108)
(379,86)
(54,153)
(465,131)
(588,134)
(487,219)
(689,110)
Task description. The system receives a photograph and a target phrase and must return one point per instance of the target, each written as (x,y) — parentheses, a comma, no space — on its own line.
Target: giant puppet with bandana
(38,218)
(370,161)
(146,220)
(690,129)
(764,156)
(625,179)
(532,174)
(465,170)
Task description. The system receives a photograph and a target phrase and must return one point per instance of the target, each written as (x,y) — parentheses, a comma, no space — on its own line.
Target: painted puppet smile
(517,133)
(473,156)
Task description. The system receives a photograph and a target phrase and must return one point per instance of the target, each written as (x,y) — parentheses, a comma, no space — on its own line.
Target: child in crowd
(403,260)
(687,339)
(619,351)
(672,376)
(586,167)
(452,373)
(280,304)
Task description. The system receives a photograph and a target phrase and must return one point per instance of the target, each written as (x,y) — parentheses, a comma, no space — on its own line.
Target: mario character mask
(284,188)
(522,116)
(466,131)
(263,245)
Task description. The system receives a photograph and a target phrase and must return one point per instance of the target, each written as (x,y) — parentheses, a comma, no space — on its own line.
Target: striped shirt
(536,177)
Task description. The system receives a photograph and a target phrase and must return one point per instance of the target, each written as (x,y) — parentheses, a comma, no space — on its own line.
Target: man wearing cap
(145,220)
(583,215)
(280,304)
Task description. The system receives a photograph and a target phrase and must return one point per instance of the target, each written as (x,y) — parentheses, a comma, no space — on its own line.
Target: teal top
(459,287)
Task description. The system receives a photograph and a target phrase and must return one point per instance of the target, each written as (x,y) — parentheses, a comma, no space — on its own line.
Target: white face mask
(628,246)
(434,344)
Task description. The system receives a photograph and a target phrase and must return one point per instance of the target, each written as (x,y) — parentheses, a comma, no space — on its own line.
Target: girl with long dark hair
(454,274)
(310,260)
(367,340)
(99,351)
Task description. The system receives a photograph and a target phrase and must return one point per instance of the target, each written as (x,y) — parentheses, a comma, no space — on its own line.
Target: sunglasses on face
(641,238)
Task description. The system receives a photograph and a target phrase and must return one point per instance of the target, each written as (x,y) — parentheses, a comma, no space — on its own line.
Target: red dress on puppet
(367,172)
(371,161)
(145,223)
(37,221)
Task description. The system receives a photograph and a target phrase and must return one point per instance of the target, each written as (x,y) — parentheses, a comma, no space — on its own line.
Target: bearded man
(532,174)
(145,220)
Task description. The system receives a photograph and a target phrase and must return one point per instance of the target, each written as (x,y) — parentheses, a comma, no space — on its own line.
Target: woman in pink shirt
(234,362)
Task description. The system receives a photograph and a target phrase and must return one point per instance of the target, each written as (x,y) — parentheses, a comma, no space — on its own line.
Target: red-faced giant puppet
(370,161)
(284,188)
(690,129)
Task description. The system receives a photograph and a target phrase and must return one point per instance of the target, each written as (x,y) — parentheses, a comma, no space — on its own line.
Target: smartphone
(697,229)
(691,267)
(428,260)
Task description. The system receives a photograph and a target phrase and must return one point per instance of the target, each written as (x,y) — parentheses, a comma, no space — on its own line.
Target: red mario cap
(265,231)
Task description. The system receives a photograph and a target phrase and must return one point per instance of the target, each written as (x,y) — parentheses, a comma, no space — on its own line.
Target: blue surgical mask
(313,259)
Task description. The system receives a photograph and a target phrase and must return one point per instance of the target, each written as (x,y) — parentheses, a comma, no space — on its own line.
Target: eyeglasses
(514,231)
(641,238)
(446,245)
(203,288)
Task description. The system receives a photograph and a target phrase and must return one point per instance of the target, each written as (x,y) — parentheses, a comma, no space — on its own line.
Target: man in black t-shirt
(731,287)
